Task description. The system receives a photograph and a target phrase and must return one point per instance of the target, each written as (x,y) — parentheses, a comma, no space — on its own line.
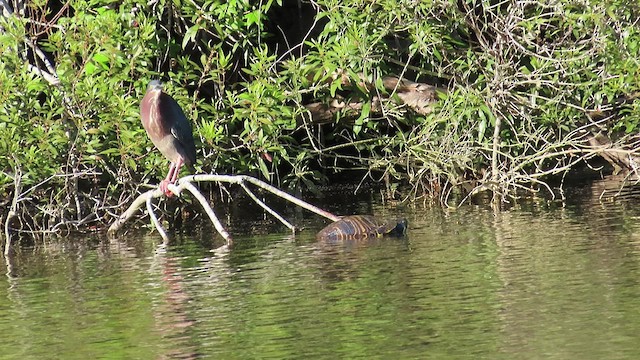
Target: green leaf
(364,114)
(482,127)
(264,169)
(100,58)
(335,85)
(190,35)
(252,18)
(89,68)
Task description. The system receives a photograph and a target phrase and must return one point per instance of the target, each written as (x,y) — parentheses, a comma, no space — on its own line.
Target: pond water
(541,280)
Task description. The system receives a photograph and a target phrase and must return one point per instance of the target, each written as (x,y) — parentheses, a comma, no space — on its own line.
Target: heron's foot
(164,188)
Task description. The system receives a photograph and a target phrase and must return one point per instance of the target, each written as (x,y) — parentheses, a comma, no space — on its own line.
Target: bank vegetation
(436,99)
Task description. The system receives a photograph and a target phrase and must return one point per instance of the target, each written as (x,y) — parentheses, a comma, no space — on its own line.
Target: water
(542,280)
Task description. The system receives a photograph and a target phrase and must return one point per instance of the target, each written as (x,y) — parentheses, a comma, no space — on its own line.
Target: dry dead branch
(187,183)
(622,160)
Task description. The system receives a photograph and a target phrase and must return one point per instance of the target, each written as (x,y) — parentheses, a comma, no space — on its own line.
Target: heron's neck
(155,109)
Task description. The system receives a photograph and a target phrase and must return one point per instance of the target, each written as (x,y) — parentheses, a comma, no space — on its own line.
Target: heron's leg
(172,169)
(176,170)
(167,180)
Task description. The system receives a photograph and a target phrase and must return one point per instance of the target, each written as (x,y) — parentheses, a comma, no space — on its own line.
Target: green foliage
(88,121)
(521,78)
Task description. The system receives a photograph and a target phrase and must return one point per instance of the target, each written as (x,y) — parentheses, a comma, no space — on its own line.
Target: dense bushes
(528,85)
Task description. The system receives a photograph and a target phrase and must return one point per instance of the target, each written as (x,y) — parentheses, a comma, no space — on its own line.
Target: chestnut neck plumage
(155,125)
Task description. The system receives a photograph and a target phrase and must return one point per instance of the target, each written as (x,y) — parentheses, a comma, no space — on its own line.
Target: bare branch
(186,183)
(154,219)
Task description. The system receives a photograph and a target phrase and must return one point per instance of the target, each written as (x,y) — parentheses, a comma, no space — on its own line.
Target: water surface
(541,280)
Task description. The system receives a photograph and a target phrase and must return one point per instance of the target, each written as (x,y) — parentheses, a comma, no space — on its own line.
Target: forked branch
(187,183)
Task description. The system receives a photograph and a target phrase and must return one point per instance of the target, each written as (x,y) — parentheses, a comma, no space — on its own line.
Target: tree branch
(186,183)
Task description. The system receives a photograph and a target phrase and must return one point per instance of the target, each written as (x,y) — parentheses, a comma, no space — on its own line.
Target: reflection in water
(341,261)
(172,320)
(566,275)
(544,279)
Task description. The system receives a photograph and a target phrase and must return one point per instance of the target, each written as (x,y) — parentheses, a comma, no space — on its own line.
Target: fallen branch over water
(186,183)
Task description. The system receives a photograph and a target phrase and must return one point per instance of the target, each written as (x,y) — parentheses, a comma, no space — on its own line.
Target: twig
(266,208)
(154,220)
(300,45)
(281,194)
(214,219)
(128,214)
(494,154)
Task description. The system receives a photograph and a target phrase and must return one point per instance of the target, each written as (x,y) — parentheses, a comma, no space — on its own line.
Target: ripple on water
(535,281)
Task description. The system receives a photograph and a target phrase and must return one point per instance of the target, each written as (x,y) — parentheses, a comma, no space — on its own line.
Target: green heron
(169,130)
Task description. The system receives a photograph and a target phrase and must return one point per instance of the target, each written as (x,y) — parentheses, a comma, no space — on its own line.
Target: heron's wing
(180,127)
